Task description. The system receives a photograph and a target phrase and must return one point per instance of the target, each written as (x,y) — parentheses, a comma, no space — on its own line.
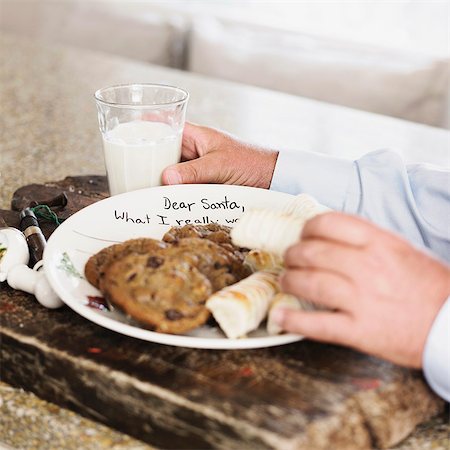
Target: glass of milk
(142,127)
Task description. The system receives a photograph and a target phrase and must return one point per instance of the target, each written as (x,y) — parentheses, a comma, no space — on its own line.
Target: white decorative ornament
(14,250)
(14,258)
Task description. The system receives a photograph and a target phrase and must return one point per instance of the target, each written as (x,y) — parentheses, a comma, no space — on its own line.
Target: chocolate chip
(173,314)
(154,262)
(132,276)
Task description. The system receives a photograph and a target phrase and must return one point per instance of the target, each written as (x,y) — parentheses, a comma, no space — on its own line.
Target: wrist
(268,168)
(254,167)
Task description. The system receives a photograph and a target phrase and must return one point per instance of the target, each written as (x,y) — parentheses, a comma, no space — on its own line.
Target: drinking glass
(142,127)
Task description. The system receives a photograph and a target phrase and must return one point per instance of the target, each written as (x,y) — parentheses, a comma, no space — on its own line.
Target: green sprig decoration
(66,264)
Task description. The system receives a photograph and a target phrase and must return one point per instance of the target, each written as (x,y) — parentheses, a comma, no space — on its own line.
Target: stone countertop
(31,423)
(49,131)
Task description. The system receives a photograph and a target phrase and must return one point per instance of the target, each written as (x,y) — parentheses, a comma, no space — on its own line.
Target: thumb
(200,170)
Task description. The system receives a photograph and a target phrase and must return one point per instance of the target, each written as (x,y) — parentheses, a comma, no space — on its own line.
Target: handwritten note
(174,212)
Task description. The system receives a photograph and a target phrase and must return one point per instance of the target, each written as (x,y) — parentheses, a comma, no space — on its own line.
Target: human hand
(382,294)
(211,156)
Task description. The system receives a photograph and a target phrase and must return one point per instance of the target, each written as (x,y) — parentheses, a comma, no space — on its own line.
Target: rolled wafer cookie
(273,230)
(268,230)
(305,206)
(241,307)
(282,300)
(257,260)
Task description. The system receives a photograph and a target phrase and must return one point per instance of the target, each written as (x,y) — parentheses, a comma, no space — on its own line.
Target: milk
(137,152)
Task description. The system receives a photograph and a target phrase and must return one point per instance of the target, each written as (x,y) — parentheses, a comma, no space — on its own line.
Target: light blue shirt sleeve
(413,200)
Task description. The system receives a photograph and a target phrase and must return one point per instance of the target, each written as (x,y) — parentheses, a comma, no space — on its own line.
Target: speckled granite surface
(30,423)
(432,435)
(49,131)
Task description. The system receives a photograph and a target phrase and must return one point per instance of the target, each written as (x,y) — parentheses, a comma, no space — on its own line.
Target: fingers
(171,175)
(200,170)
(191,170)
(191,135)
(341,228)
(320,287)
(318,325)
(325,255)
(198,141)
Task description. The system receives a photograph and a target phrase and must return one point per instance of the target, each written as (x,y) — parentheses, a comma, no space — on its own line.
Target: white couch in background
(384,81)
(148,36)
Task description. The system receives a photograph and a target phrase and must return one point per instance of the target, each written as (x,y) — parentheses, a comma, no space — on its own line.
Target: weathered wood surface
(80,192)
(304,395)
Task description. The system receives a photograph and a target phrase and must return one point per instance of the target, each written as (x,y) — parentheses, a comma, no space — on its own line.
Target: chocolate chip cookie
(221,266)
(213,231)
(165,294)
(97,264)
(220,234)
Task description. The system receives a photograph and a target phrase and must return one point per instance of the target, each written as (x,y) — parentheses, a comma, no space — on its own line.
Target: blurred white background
(388,57)
(411,25)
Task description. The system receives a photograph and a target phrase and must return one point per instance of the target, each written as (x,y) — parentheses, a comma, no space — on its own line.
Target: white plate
(149,213)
